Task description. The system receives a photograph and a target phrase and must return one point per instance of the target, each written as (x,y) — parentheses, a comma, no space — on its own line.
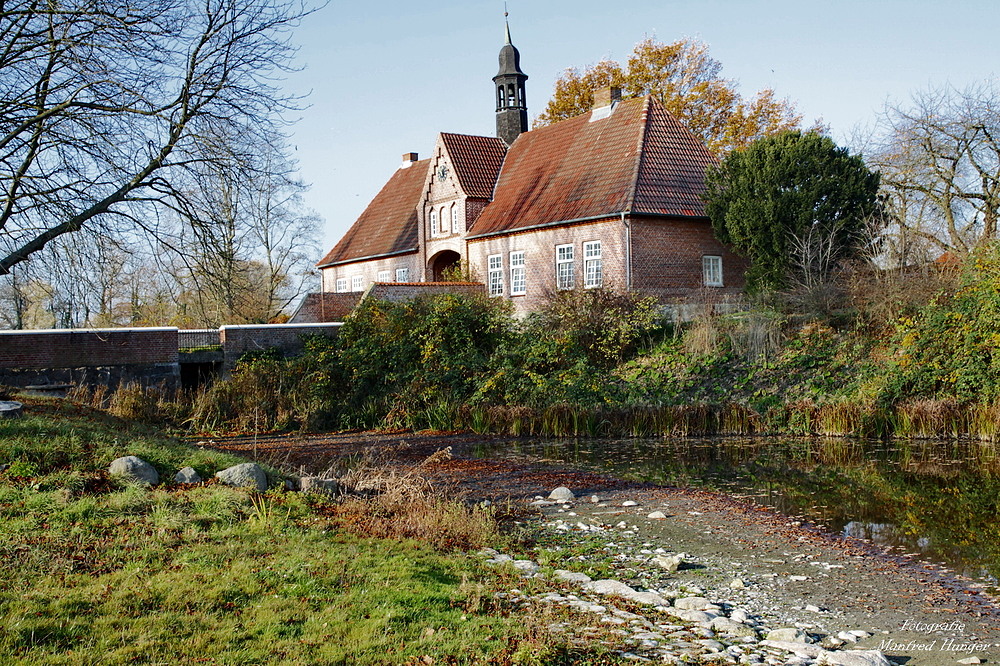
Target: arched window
(501,97)
(511,95)
(454,218)
(444,221)
(434,222)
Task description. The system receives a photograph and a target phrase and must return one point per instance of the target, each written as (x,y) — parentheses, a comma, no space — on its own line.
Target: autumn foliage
(688,82)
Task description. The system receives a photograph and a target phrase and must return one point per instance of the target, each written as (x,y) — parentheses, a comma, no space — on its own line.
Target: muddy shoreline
(792,564)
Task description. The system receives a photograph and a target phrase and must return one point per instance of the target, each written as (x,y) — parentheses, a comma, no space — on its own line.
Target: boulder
(571,576)
(10,409)
(788,635)
(315,484)
(691,603)
(187,475)
(562,494)
(133,468)
(657,515)
(854,658)
(670,562)
(246,475)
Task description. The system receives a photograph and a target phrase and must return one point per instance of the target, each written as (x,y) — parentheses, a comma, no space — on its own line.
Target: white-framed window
(434,222)
(495,274)
(711,269)
(454,217)
(383,276)
(402,275)
(444,221)
(341,285)
(565,275)
(358,283)
(518,279)
(593,265)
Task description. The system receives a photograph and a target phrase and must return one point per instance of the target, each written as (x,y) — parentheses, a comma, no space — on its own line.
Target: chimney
(607,96)
(408,160)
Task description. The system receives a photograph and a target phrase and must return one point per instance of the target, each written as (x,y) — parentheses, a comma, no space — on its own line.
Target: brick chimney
(408,160)
(607,96)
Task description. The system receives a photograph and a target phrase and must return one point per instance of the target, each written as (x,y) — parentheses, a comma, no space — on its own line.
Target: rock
(854,658)
(691,603)
(813,609)
(571,576)
(562,494)
(696,616)
(657,515)
(246,475)
(970,660)
(629,503)
(609,587)
(725,625)
(739,615)
(670,562)
(737,584)
(788,635)
(794,646)
(594,499)
(187,475)
(135,469)
(525,566)
(10,409)
(315,484)
(619,589)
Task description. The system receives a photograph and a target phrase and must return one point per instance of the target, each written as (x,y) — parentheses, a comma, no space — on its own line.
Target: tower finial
(506,24)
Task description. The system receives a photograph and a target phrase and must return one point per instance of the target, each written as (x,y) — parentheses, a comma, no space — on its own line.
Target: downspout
(628,251)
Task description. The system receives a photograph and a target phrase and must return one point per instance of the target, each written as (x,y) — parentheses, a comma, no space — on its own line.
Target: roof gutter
(545,225)
(592,218)
(367,258)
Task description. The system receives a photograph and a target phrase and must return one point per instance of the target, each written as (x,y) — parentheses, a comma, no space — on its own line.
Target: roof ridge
(639,152)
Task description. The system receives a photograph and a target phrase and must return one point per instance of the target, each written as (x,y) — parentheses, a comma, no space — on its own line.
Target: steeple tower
(512,109)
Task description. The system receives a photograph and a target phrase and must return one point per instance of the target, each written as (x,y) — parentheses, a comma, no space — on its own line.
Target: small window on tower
(511,95)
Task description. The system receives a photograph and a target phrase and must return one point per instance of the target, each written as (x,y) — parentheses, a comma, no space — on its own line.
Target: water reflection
(935,499)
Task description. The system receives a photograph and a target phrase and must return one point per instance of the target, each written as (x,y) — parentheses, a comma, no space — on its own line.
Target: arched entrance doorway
(441,262)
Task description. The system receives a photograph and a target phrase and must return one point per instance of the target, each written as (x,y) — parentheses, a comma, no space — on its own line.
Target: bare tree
(940,164)
(105,105)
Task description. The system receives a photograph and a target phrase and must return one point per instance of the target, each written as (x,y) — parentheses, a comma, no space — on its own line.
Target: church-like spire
(512,108)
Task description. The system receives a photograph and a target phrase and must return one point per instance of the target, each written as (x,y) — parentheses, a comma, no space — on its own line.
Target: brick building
(611,198)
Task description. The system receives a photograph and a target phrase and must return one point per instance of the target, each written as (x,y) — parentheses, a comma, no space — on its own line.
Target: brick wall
(540,258)
(73,348)
(325,307)
(667,260)
(107,357)
(369,270)
(237,340)
(405,292)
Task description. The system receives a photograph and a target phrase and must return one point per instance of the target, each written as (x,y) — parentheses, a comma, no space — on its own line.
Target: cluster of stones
(245,475)
(681,626)
(137,470)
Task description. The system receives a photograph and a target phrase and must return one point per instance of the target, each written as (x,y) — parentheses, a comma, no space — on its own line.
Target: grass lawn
(96,571)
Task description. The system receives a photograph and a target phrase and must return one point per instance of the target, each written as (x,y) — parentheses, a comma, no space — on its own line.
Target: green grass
(99,572)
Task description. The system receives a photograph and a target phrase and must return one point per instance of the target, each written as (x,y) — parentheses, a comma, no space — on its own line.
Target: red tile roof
(389,223)
(638,159)
(477,161)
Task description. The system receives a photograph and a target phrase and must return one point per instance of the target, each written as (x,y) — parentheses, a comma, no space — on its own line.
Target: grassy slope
(99,572)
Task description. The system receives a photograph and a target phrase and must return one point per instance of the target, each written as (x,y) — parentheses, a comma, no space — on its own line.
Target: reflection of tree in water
(936,498)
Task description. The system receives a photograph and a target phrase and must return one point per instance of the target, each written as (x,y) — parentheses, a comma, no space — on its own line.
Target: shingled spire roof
(636,159)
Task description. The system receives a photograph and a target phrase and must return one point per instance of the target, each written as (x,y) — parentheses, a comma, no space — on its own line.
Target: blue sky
(384,77)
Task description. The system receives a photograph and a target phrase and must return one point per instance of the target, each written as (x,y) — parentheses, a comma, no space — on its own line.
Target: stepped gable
(477,161)
(636,159)
(389,224)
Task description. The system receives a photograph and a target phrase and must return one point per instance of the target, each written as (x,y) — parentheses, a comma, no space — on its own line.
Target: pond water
(935,500)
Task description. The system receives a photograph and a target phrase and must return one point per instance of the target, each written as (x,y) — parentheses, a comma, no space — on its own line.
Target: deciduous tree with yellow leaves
(687,81)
